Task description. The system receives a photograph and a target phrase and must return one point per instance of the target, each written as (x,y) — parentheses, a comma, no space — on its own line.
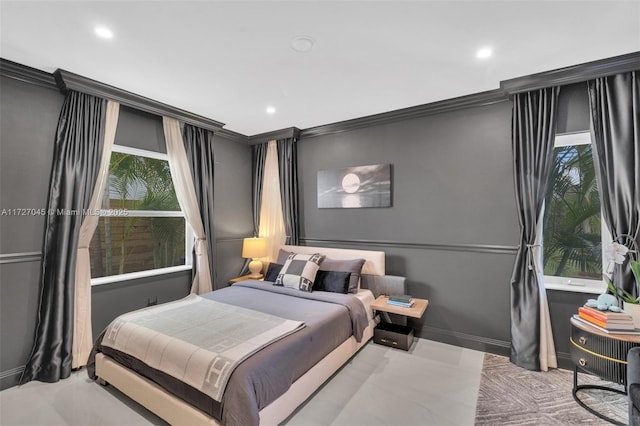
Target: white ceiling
(229,60)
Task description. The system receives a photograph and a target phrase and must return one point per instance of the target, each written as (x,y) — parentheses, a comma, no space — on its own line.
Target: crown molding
(65,80)
(234,136)
(69,81)
(26,74)
(573,74)
(469,101)
(289,132)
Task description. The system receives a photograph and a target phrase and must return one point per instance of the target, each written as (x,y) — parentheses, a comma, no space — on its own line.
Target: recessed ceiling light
(103,32)
(271,110)
(302,44)
(484,53)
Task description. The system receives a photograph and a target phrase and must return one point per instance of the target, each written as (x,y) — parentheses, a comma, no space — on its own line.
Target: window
(141,230)
(573,229)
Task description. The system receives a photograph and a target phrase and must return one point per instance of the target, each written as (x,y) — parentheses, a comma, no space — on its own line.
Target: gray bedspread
(330,319)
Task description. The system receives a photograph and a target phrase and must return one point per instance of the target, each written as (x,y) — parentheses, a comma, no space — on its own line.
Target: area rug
(510,395)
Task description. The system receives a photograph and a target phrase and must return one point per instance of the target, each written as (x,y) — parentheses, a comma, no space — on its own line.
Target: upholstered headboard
(373,271)
(374,260)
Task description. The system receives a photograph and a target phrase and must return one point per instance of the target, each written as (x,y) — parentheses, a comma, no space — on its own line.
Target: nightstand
(396,335)
(602,354)
(244,278)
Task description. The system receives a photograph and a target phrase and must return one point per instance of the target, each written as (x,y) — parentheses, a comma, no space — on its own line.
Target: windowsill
(586,288)
(136,275)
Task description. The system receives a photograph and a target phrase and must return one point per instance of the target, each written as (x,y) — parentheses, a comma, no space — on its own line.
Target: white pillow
(299,271)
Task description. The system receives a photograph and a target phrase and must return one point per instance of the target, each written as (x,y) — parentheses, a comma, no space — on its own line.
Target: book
(402,298)
(606,324)
(635,332)
(401,304)
(601,317)
(606,315)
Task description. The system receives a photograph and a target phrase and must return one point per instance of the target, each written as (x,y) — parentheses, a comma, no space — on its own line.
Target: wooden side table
(244,278)
(395,335)
(416,311)
(602,354)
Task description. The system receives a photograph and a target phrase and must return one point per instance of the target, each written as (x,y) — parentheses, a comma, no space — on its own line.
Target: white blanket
(198,341)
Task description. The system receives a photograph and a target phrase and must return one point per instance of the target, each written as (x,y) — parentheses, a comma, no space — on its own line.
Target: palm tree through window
(141,225)
(572,227)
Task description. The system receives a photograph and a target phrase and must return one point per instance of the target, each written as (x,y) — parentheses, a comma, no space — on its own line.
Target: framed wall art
(355,187)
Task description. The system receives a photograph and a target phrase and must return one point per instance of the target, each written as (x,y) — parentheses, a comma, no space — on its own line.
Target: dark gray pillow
(332,281)
(345,265)
(272,272)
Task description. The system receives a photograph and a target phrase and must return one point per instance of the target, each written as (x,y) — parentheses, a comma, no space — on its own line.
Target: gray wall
(28,120)
(452,184)
(232,208)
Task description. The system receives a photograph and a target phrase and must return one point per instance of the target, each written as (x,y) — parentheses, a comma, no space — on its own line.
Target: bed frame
(178,412)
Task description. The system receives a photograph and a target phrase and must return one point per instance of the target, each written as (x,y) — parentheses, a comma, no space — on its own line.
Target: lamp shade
(254,247)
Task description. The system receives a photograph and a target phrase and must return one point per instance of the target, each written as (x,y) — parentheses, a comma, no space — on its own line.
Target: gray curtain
(259,156)
(198,145)
(288,170)
(76,161)
(615,133)
(258,160)
(533,135)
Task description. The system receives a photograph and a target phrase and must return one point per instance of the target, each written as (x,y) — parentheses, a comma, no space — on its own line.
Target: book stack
(404,301)
(610,322)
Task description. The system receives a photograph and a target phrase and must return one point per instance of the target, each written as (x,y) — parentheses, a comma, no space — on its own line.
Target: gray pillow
(345,265)
(283,256)
(299,271)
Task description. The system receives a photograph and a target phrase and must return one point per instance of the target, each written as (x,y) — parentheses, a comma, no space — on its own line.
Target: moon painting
(355,187)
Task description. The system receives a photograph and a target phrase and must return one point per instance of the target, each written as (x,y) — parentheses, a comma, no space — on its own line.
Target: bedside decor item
(621,247)
(253,248)
(609,322)
(604,302)
(403,300)
(616,254)
(355,187)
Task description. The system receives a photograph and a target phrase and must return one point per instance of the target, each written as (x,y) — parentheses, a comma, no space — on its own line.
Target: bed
(267,386)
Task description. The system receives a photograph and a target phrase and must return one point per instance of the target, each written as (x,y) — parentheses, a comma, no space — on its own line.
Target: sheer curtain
(198,144)
(185,191)
(82,332)
(533,136)
(271,220)
(77,154)
(615,131)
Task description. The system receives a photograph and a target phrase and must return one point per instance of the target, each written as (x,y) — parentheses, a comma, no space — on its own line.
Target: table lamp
(253,248)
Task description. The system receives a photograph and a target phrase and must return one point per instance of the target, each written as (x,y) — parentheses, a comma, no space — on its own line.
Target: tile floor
(432,384)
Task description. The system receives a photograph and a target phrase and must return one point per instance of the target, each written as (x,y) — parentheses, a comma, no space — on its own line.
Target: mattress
(330,319)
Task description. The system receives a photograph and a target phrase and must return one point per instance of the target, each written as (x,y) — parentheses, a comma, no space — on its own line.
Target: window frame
(579,285)
(189,235)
